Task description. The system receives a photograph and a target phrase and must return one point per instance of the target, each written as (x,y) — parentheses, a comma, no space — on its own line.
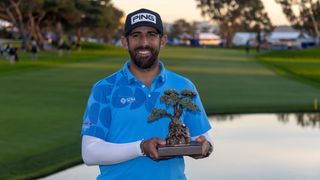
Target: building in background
(285,37)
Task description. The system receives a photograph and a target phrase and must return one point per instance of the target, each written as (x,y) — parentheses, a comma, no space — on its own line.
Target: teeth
(144,52)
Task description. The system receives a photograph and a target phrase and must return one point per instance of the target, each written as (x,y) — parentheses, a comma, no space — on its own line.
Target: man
(116,134)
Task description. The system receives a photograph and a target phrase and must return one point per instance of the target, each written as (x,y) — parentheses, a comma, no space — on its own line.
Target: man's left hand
(206,147)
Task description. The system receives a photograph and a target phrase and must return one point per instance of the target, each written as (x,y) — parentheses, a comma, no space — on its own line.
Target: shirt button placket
(148,93)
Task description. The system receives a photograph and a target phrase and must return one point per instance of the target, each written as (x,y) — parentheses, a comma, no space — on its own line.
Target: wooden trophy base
(193,148)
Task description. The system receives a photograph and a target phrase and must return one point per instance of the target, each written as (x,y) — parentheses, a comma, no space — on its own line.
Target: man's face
(144,44)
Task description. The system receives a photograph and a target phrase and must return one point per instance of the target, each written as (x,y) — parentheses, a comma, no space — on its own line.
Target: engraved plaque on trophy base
(193,148)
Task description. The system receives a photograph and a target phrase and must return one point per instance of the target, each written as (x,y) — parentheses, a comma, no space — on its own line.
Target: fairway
(42,102)
(300,65)
(231,82)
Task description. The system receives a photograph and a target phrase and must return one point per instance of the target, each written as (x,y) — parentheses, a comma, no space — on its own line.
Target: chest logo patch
(127,100)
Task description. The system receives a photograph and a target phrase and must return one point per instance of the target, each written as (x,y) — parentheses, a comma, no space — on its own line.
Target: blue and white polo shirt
(117,111)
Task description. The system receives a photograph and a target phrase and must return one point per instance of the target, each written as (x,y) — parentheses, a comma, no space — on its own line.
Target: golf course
(43,100)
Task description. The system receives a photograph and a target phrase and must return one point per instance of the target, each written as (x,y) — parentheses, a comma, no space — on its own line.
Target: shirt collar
(162,76)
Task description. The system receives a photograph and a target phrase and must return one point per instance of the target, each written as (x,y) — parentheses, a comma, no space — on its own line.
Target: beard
(141,61)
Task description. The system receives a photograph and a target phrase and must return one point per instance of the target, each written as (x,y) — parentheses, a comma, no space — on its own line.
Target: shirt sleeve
(97,117)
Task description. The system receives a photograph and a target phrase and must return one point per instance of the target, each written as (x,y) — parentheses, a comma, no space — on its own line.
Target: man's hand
(206,147)
(149,148)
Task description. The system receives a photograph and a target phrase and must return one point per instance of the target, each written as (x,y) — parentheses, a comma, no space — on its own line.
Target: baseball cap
(143,17)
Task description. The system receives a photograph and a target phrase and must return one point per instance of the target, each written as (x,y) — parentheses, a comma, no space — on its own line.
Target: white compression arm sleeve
(96,151)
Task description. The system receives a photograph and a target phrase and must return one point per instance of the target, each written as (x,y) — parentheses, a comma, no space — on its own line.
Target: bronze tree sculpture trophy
(178,141)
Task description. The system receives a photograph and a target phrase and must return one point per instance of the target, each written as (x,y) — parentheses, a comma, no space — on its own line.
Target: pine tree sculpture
(178,132)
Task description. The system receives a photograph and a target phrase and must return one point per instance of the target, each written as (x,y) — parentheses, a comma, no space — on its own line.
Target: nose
(144,40)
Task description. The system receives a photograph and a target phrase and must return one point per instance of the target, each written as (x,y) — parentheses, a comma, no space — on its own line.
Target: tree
(60,16)
(178,132)
(303,15)
(35,15)
(31,17)
(100,17)
(11,12)
(180,27)
(236,15)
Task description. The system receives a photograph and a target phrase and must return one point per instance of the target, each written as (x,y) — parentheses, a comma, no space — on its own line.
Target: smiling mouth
(144,52)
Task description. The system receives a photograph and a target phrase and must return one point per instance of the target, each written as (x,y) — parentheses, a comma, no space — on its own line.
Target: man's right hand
(149,148)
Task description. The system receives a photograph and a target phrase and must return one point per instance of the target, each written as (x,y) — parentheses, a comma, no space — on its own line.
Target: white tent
(209,39)
(289,39)
(241,38)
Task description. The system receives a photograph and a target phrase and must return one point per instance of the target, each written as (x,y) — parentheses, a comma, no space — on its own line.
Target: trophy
(178,141)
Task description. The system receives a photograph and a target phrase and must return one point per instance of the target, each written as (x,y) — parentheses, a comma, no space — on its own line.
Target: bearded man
(115,132)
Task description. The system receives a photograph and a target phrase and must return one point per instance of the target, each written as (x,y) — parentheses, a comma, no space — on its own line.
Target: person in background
(13,54)
(248,46)
(34,49)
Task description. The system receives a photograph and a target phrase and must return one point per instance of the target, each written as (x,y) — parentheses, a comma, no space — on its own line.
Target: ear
(124,42)
(163,41)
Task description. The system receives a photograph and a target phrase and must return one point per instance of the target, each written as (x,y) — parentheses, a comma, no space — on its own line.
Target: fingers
(201,139)
(150,147)
(205,146)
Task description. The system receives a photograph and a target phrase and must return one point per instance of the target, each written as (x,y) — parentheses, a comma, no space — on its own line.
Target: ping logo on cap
(143,17)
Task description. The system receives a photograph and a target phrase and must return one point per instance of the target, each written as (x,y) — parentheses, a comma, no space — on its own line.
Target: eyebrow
(152,31)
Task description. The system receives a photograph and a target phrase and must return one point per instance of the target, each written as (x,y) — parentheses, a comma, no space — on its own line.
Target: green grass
(231,82)
(301,65)
(42,102)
